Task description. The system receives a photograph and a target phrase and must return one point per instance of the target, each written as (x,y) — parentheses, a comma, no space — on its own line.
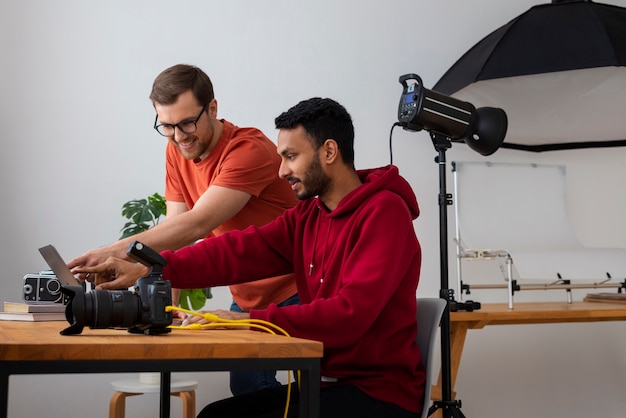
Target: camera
(142,311)
(43,287)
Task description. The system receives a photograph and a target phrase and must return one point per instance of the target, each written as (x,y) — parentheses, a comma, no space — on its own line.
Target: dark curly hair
(322,119)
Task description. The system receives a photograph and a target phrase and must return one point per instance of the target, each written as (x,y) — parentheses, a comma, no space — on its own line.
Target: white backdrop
(78,143)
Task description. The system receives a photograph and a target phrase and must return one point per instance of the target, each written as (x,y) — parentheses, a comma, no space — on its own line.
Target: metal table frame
(309,368)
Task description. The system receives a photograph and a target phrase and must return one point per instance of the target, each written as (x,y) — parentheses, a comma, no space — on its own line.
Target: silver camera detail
(43,287)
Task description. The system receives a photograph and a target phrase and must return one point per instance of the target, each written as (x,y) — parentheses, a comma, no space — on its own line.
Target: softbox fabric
(558,70)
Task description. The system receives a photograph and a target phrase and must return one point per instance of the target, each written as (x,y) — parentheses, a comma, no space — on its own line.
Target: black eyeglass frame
(178,125)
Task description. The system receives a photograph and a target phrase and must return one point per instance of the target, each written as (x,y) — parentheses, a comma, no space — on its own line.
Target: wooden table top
(42,341)
(540,313)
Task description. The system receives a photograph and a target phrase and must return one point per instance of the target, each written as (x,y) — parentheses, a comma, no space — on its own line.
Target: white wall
(78,142)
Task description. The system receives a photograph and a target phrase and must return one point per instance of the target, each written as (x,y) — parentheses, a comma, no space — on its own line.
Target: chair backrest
(429,311)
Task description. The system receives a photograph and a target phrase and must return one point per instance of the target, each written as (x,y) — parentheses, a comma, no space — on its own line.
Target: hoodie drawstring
(317,230)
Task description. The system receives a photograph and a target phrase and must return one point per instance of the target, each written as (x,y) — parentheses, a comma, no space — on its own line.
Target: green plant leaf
(192,299)
(157,205)
(142,214)
(132,207)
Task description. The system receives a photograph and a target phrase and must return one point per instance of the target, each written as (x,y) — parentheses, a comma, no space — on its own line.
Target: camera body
(154,295)
(43,287)
(141,311)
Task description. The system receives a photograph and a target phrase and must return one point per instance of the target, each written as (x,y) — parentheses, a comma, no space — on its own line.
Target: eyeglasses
(185,126)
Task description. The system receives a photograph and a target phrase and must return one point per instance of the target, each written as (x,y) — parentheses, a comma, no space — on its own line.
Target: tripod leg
(456,413)
(432,409)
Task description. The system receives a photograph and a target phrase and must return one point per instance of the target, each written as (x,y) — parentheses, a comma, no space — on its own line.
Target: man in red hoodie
(351,245)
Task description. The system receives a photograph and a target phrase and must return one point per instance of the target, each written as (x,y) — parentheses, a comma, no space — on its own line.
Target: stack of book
(606,297)
(19,311)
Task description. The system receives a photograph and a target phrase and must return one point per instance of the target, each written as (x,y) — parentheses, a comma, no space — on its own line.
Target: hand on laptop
(114,273)
(96,256)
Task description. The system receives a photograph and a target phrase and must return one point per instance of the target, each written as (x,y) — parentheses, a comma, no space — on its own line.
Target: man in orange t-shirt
(244,160)
(219,177)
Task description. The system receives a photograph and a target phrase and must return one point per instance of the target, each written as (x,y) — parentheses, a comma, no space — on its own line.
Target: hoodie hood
(375,180)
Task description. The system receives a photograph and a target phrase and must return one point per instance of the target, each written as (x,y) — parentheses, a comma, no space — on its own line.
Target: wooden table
(522,313)
(38,348)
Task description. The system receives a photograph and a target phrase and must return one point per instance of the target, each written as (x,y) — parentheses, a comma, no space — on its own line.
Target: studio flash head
(483,129)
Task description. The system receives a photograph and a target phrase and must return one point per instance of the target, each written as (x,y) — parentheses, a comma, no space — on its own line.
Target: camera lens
(53,286)
(112,308)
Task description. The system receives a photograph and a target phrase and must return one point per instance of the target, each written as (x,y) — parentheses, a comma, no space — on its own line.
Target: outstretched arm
(215,206)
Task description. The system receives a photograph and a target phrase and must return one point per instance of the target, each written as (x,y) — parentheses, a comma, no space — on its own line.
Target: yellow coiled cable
(218,322)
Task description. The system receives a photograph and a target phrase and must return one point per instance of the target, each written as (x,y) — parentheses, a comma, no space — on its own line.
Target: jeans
(251,381)
(335,402)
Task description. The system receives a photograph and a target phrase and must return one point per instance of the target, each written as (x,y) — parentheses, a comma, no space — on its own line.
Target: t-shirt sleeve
(248,165)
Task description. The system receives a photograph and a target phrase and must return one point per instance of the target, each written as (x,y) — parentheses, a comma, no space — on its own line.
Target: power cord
(390,136)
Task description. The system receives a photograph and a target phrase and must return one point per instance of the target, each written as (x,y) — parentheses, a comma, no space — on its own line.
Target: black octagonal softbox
(559,72)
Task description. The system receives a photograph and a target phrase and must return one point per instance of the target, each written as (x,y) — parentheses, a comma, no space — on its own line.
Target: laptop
(58,266)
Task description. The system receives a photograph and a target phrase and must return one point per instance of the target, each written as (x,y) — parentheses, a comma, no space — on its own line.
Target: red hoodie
(356,268)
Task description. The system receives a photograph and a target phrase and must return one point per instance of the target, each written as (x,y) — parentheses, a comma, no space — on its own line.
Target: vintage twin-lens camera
(43,287)
(141,311)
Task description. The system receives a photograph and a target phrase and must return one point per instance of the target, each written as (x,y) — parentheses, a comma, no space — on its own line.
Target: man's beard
(315,181)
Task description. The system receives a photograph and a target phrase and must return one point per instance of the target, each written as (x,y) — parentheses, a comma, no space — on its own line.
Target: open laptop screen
(58,266)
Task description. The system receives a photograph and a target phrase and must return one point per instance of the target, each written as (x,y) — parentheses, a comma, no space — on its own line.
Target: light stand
(450,407)
(483,130)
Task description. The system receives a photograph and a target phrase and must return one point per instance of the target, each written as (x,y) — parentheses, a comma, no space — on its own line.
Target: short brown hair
(175,80)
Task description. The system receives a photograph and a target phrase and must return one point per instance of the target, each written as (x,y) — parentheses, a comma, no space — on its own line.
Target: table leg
(310,391)
(4,394)
(166,378)
(458,332)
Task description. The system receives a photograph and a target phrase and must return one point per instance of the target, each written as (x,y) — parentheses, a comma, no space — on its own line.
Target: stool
(185,390)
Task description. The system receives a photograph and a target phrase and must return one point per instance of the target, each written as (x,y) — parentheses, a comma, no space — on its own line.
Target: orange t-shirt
(244,159)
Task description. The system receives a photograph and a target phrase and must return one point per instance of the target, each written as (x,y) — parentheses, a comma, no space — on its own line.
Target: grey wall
(78,142)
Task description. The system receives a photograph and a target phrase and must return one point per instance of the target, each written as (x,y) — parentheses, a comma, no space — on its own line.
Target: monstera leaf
(194,299)
(142,214)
